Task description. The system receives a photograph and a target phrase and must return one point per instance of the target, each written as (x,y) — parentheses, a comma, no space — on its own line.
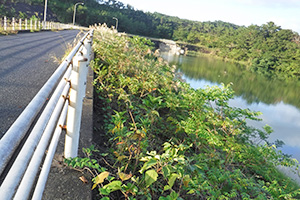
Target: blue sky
(284,13)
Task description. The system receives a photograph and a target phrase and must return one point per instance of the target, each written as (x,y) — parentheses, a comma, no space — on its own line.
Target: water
(278,101)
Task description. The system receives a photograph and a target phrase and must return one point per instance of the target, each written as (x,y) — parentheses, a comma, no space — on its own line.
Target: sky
(284,13)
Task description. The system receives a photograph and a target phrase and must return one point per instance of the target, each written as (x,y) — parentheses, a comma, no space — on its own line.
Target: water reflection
(277,100)
(250,86)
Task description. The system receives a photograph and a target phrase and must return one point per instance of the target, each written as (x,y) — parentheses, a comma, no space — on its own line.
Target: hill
(101,11)
(267,49)
(25,10)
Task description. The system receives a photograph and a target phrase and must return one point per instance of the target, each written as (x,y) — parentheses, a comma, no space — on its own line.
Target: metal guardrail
(67,89)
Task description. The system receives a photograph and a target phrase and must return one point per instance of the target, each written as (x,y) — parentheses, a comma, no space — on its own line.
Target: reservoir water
(278,101)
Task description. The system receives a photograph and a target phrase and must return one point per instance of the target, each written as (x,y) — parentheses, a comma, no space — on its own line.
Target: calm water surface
(278,101)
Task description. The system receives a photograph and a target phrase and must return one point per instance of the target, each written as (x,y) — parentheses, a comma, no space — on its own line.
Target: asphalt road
(27,60)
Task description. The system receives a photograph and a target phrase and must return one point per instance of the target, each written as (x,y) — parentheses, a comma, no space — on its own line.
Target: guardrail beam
(28,160)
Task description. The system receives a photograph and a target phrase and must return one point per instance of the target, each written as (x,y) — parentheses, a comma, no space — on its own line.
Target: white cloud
(270,3)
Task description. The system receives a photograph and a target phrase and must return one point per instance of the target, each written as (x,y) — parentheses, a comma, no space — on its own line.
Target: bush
(169,141)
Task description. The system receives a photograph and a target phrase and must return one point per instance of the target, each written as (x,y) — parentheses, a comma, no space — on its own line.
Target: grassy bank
(165,140)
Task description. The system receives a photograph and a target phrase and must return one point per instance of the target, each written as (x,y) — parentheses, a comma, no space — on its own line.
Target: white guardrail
(67,89)
(14,24)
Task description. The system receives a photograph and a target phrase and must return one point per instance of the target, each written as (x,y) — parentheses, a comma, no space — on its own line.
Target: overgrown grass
(7,32)
(69,46)
(170,141)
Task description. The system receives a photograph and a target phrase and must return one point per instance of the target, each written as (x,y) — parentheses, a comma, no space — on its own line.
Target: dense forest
(267,49)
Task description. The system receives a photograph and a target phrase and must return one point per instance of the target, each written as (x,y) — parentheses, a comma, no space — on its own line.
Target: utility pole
(45,14)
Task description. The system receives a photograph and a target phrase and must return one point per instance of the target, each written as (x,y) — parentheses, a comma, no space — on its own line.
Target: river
(278,101)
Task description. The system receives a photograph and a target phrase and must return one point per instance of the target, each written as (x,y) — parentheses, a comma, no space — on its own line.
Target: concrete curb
(63,182)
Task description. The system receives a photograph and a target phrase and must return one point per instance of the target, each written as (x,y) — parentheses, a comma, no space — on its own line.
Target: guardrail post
(5,21)
(87,47)
(13,23)
(26,24)
(76,95)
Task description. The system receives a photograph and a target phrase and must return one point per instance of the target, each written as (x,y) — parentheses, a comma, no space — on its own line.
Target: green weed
(169,141)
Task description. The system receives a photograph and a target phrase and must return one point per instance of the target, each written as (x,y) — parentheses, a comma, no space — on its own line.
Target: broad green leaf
(191,192)
(113,186)
(124,176)
(172,179)
(148,164)
(100,178)
(164,198)
(174,195)
(104,191)
(150,177)
(166,171)
(167,187)
(146,158)
(167,145)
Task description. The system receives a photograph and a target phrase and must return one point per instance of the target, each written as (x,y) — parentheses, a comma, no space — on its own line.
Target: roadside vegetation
(166,140)
(7,32)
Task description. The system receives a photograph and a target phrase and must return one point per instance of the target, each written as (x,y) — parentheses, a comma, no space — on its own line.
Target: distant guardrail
(23,146)
(14,24)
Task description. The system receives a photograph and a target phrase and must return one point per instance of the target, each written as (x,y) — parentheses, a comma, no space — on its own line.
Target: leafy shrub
(169,141)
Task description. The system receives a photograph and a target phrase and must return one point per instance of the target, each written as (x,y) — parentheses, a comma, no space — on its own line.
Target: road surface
(27,60)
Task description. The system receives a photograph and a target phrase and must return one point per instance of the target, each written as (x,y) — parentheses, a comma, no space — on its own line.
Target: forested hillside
(267,49)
